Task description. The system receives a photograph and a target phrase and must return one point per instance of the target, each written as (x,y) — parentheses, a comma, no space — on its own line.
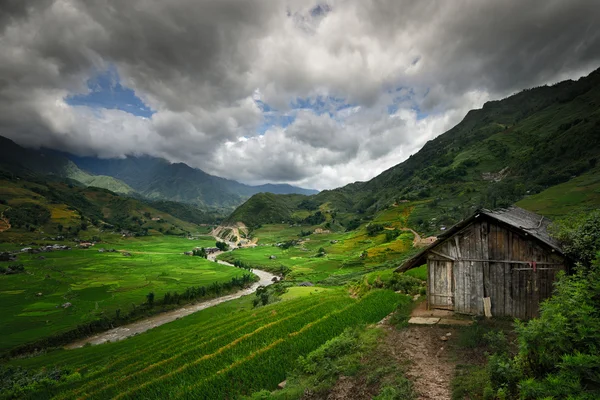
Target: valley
(166,285)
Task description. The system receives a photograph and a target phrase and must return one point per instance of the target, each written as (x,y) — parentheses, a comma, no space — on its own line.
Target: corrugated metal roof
(526,221)
(532,223)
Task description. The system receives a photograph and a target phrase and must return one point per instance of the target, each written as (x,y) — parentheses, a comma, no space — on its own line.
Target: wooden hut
(505,256)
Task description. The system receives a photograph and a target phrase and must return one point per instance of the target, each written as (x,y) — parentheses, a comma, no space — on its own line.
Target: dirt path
(418,240)
(430,369)
(126,331)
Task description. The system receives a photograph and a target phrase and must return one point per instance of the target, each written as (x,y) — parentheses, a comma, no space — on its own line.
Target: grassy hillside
(36,208)
(497,155)
(265,208)
(579,194)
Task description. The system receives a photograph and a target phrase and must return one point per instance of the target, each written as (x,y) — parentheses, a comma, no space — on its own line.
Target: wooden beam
(505,261)
(442,255)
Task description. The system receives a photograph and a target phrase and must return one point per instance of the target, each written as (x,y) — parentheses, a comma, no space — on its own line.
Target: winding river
(125,331)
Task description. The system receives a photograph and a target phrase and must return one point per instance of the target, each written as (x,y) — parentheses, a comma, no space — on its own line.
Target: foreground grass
(221,352)
(359,356)
(97,284)
(474,344)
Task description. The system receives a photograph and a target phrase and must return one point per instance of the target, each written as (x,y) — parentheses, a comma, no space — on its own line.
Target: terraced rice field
(216,353)
(98,284)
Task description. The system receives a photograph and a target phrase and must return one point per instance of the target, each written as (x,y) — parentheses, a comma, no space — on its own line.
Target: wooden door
(441,284)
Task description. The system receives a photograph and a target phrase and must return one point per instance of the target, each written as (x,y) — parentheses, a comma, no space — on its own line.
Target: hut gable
(505,255)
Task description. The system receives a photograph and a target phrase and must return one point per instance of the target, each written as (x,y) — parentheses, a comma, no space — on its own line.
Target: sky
(317,94)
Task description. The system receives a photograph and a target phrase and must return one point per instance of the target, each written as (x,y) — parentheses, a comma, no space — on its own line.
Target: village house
(210,250)
(499,263)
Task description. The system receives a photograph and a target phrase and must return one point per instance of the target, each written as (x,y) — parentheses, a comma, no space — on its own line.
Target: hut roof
(515,217)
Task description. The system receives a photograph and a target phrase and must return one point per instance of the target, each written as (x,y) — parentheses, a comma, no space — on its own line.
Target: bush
(558,352)
(374,229)
(405,284)
(222,246)
(580,236)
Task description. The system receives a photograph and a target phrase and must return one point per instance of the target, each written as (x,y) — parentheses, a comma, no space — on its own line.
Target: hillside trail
(427,362)
(418,241)
(125,331)
(431,368)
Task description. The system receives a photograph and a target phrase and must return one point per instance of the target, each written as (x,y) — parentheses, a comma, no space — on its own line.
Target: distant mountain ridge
(145,176)
(158,179)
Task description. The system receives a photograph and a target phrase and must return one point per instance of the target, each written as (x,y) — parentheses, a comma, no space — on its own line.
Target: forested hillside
(506,151)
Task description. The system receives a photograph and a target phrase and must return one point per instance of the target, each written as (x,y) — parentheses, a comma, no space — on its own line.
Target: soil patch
(430,369)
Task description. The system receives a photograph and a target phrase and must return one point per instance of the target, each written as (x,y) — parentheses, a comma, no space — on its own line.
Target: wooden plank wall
(514,290)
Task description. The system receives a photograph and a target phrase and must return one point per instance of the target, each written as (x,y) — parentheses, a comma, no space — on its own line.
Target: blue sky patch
(106,91)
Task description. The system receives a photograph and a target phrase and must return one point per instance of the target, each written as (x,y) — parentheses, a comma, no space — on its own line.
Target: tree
(200,252)
(580,236)
(150,299)
(59,227)
(374,229)
(222,246)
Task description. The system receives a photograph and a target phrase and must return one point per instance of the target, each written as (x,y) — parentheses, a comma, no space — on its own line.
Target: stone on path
(461,322)
(423,321)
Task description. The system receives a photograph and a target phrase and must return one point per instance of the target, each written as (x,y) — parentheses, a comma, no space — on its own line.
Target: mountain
(29,162)
(36,204)
(506,151)
(157,179)
(266,208)
(149,177)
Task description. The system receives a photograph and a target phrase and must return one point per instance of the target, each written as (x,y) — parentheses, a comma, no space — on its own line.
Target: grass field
(222,352)
(97,284)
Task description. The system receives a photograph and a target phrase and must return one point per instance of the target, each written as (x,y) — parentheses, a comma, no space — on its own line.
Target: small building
(210,250)
(505,256)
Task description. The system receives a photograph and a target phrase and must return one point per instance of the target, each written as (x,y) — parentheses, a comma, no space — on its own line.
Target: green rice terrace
(211,354)
(98,284)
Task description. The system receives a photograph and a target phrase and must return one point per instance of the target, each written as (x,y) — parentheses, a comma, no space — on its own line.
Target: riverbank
(125,331)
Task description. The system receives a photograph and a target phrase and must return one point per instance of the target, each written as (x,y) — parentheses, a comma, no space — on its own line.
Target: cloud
(389,75)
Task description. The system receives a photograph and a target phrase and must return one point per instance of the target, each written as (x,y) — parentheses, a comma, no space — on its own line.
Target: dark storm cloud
(199,64)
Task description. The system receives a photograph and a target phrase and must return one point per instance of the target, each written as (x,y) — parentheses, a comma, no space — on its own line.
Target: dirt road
(126,331)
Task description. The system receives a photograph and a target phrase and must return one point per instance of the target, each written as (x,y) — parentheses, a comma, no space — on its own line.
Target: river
(125,331)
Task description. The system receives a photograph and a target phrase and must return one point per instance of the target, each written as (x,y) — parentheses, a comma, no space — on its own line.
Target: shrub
(405,284)
(374,229)
(558,352)
(580,236)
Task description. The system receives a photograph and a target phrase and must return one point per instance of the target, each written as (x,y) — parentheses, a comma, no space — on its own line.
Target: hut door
(441,284)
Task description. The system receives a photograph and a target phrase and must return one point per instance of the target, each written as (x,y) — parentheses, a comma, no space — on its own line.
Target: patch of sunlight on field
(394,216)
(298,291)
(12,292)
(419,272)
(60,213)
(38,313)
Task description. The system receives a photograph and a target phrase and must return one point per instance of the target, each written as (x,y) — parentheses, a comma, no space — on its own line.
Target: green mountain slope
(29,162)
(34,206)
(577,195)
(497,155)
(265,208)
